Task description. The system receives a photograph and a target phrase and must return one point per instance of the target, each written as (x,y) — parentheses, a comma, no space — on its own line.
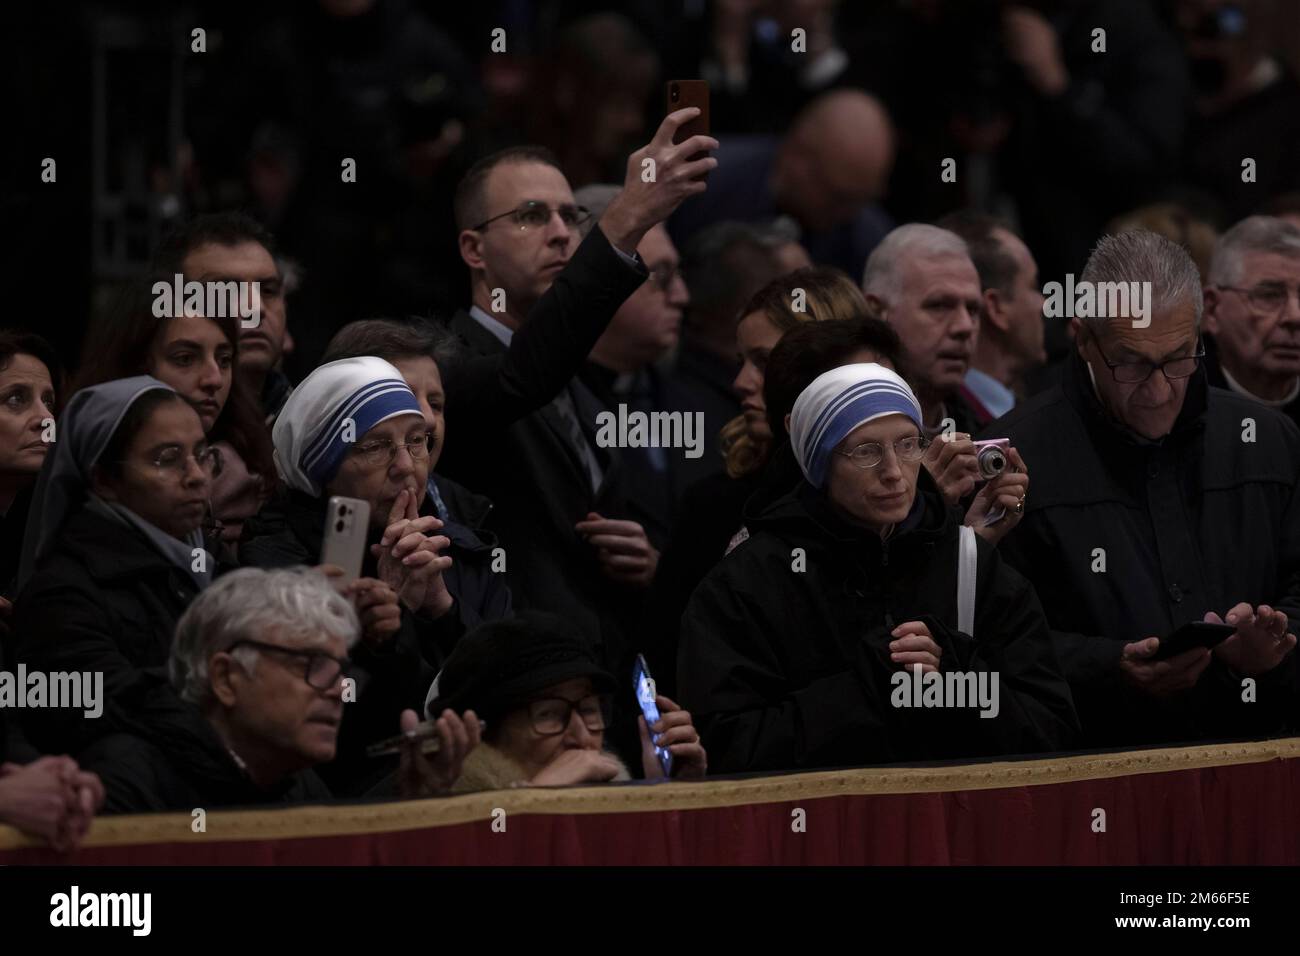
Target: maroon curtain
(1238,814)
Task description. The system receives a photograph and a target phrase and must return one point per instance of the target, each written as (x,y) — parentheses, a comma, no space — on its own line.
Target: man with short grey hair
(1252,313)
(1159,502)
(257,673)
(923,281)
(1010,341)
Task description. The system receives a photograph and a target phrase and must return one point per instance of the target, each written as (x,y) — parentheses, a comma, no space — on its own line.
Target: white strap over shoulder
(967,562)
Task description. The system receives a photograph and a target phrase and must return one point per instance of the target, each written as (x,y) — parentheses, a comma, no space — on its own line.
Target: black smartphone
(680,95)
(1195,634)
(644,685)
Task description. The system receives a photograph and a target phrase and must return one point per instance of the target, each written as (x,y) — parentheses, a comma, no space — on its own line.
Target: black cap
(501,664)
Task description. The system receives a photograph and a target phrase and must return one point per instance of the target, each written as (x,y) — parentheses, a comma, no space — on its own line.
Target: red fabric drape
(1234,814)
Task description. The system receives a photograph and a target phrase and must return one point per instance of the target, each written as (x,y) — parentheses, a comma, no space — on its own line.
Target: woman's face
(172,499)
(880,496)
(756,336)
(370,474)
(193,356)
(534,751)
(421,374)
(26,402)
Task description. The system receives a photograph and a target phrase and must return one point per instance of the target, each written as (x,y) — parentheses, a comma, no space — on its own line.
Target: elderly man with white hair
(1252,313)
(923,281)
(257,690)
(1160,502)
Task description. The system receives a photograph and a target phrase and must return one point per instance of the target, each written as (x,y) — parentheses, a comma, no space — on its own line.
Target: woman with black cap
(546,704)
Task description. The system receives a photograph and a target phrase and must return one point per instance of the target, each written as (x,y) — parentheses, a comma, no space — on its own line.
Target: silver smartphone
(347,523)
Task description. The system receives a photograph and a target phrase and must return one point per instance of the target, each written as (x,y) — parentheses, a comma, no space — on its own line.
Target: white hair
(883,275)
(246,605)
(1252,234)
(1139,255)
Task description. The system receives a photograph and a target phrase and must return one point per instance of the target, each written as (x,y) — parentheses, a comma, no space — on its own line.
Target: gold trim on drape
(355,819)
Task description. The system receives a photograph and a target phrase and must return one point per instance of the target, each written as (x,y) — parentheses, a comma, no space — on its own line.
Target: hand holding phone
(680,95)
(347,523)
(644,686)
(1192,635)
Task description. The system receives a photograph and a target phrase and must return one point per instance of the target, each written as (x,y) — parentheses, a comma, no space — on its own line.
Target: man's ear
(787,423)
(1210,315)
(221,668)
(878,305)
(1075,327)
(471,248)
(995,310)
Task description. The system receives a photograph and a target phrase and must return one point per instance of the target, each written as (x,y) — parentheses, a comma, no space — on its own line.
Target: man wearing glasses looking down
(1159,501)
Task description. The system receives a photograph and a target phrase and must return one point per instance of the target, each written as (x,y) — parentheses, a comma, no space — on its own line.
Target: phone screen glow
(645,696)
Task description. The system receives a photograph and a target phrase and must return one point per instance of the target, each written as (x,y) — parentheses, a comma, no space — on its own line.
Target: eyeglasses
(535,215)
(320,670)
(384,450)
(1268,298)
(551,715)
(1135,373)
(663,278)
(173,461)
(872,453)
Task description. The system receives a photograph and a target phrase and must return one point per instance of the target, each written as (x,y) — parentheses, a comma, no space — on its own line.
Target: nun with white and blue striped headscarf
(856,433)
(331,412)
(353,428)
(809,644)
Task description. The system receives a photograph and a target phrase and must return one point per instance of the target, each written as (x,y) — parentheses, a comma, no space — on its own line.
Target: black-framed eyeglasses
(174,461)
(1267,298)
(384,450)
(872,453)
(320,670)
(535,215)
(1135,373)
(663,278)
(551,715)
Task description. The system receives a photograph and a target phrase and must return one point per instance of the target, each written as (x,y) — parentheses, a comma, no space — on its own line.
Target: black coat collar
(1107,433)
(475,335)
(111,550)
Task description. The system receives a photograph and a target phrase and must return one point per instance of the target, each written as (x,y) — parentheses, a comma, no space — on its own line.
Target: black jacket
(713,514)
(1196,522)
(104,599)
(168,757)
(1214,375)
(13,528)
(14,747)
(704,380)
(289,531)
(650,494)
(786,668)
(508,442)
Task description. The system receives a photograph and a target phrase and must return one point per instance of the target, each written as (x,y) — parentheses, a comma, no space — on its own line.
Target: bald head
(836,159)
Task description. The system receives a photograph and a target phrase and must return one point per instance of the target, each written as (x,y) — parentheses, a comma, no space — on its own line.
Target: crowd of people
(909,470)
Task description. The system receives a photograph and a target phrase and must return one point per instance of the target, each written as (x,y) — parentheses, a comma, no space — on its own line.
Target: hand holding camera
(952,464)
(1000,504)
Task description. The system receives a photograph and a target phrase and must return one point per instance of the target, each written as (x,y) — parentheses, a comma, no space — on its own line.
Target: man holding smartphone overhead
(525,426)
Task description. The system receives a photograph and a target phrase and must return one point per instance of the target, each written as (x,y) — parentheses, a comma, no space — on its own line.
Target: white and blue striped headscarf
(839,401)
(312,435)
